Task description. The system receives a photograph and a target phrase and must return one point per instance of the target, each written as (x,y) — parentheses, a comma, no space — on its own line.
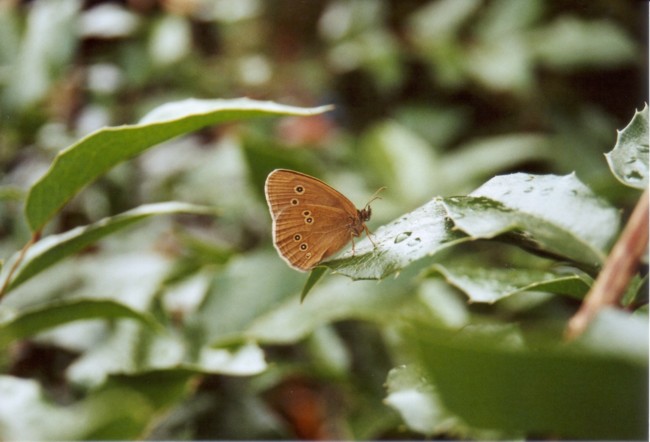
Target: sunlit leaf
(417,234)
(552,214)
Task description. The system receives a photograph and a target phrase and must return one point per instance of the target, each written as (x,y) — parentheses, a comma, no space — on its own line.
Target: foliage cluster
(142,297)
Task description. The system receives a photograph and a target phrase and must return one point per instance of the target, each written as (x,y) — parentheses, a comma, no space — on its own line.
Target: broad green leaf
(28,322)
(628,160)
(593,389)
(491,284)
(83,162)
(417,234)
(552,214)
(54,248)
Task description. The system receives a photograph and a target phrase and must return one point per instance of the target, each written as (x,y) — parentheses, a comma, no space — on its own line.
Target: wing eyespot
(294,201)
(299,189)
(304,246)
(297,237)
(309,220)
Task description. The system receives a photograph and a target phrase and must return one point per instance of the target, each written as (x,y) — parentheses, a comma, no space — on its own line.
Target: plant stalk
(620,266)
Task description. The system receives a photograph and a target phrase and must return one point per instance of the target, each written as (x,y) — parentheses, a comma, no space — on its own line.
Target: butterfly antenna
(375,196)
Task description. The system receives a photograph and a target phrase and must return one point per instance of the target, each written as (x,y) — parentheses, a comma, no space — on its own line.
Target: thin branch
(620,266)
(35,237)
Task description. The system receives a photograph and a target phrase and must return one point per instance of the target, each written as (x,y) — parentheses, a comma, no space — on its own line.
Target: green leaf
(556,215)
(628,160)
(593,389)
(314,276)
(83,162)
(418,234)
(54,248)
(491,284)
(28,322)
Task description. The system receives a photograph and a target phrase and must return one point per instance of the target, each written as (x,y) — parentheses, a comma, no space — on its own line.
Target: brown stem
(617,272)
(35,237)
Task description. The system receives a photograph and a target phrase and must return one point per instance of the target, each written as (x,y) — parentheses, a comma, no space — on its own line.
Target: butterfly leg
(369,234)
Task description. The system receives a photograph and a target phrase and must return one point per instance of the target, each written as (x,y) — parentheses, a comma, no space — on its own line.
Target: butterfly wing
(311,220)
(287,188)
(305,240)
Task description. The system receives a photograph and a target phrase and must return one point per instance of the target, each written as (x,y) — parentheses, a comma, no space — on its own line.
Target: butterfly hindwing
(305,236)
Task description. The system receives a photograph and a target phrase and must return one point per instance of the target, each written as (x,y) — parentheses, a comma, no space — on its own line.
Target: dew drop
(402,236)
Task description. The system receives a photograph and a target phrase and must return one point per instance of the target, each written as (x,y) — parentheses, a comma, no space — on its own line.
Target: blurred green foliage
(187,325)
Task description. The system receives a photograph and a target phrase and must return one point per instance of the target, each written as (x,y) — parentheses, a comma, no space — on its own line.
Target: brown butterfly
(311,220)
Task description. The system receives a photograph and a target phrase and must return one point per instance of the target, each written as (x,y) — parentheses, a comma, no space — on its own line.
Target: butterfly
(311,220)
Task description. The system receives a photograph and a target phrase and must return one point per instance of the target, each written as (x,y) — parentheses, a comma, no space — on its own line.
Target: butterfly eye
(306,213)
(309,220)
(297,237)
(304,246)
(299,190)
(294,202)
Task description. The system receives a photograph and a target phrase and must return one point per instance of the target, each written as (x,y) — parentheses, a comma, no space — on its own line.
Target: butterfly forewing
(290,187)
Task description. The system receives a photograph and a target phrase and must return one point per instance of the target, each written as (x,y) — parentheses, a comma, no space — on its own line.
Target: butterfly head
(365,213)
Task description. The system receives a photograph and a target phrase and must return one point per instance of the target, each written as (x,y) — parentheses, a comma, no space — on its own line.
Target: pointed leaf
(54,248)
(314,276)
(29,322)
(83,162)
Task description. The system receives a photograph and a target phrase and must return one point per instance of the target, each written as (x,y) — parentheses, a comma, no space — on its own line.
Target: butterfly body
(311,220)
